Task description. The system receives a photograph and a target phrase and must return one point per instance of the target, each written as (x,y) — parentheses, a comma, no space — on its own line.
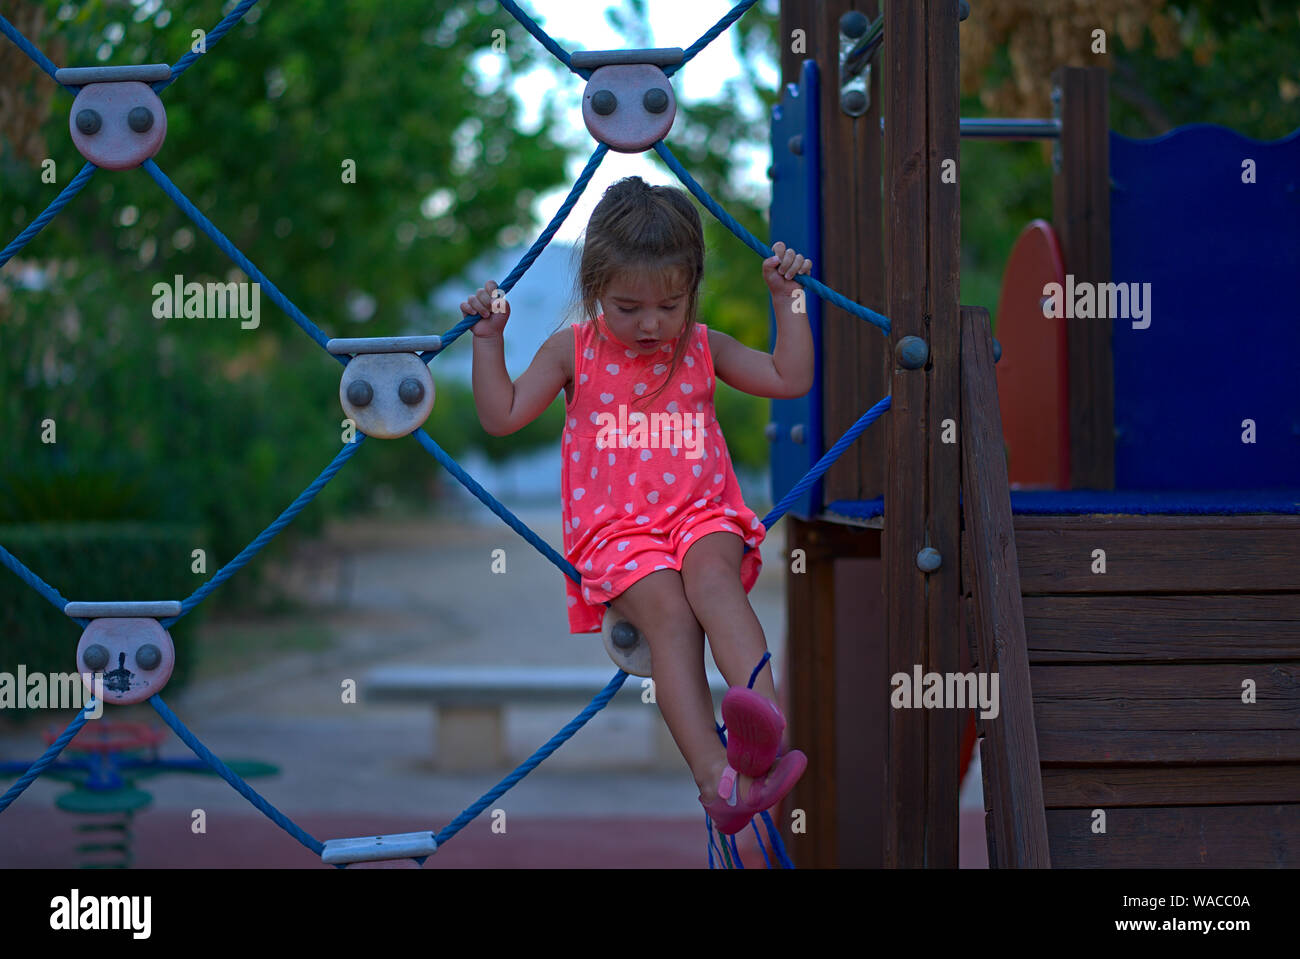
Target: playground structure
(1126,735)
(947,561)
(117,123)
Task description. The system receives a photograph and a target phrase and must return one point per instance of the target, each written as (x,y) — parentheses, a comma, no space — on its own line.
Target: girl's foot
(709,789)
(731,809)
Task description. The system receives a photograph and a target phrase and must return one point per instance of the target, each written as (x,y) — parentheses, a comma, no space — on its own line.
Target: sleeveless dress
(643,481)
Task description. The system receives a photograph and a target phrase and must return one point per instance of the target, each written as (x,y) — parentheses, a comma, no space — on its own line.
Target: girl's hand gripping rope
(780,269)
(490,303)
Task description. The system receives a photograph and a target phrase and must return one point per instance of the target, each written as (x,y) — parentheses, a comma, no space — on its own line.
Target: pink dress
(642,482)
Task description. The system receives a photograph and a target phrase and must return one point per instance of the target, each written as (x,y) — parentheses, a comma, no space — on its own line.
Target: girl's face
(642,313)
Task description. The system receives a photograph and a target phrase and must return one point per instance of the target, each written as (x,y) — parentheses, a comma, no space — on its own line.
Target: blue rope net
(728,852)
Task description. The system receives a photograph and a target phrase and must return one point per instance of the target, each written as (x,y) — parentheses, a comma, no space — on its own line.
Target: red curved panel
(1033,374)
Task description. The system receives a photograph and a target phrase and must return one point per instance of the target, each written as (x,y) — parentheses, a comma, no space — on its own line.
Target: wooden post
(921,499)
(1081,218)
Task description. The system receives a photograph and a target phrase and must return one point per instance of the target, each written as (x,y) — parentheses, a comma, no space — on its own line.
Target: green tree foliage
(199,419)
(1171,63)
(1234,64)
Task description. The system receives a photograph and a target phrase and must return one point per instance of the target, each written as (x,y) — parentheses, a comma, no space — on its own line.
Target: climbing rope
(728,851)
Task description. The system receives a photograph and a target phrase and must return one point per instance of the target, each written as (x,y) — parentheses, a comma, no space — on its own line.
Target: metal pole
(1004,129)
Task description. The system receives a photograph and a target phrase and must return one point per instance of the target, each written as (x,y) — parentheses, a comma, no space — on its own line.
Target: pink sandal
(731,814)
(754,728)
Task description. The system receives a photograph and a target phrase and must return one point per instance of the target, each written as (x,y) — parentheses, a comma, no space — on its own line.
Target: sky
(582,25)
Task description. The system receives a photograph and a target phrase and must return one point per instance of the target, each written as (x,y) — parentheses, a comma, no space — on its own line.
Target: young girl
(653,516)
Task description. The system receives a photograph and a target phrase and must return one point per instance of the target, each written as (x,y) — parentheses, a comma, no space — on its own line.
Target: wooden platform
(1164,692)
(1139,678)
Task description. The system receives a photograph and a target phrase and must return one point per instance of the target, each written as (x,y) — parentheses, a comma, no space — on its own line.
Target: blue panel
(1155,502)
(1223,261)
(796,221)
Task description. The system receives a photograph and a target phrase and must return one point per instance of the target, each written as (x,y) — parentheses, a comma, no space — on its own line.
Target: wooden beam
(1073,747)
(1090,786)
(1241,628)
(943,331)
(1182,554)
(1178,837)
(921,235)
(1017,829)
(1126,701)
(1081,218)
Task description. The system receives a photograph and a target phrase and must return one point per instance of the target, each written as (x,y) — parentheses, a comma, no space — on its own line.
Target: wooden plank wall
(841,794)
(1138,675)
(855,355)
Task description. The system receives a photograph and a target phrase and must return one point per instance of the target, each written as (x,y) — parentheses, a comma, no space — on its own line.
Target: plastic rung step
(123,610)
(659,56)
(384,344)
(404,845)
(143,72)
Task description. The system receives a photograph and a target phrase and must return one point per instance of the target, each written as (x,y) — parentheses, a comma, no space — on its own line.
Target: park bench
(470,703)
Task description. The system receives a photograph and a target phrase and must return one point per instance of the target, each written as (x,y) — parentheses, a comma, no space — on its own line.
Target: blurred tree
(199,418)
(1172,62)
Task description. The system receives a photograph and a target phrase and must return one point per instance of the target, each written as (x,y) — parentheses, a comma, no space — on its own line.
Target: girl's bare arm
(505,407)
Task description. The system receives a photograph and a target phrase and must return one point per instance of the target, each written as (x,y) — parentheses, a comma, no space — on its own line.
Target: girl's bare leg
(711,578)
(657,606)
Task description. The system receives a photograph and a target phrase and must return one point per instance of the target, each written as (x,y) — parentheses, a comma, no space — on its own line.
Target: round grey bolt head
(148,656)
(796,144)
(410,391)
(929,559)
(912,352)
(797,433)
(854,102)
(655,100)
(624,635)
(140,119)
(997,350)
(360,393)
(963,10)
(89,121)
(854,24)
(770,431)
(96,657)
(604,102)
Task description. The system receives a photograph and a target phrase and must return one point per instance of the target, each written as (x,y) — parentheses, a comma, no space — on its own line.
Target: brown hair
(644,231)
